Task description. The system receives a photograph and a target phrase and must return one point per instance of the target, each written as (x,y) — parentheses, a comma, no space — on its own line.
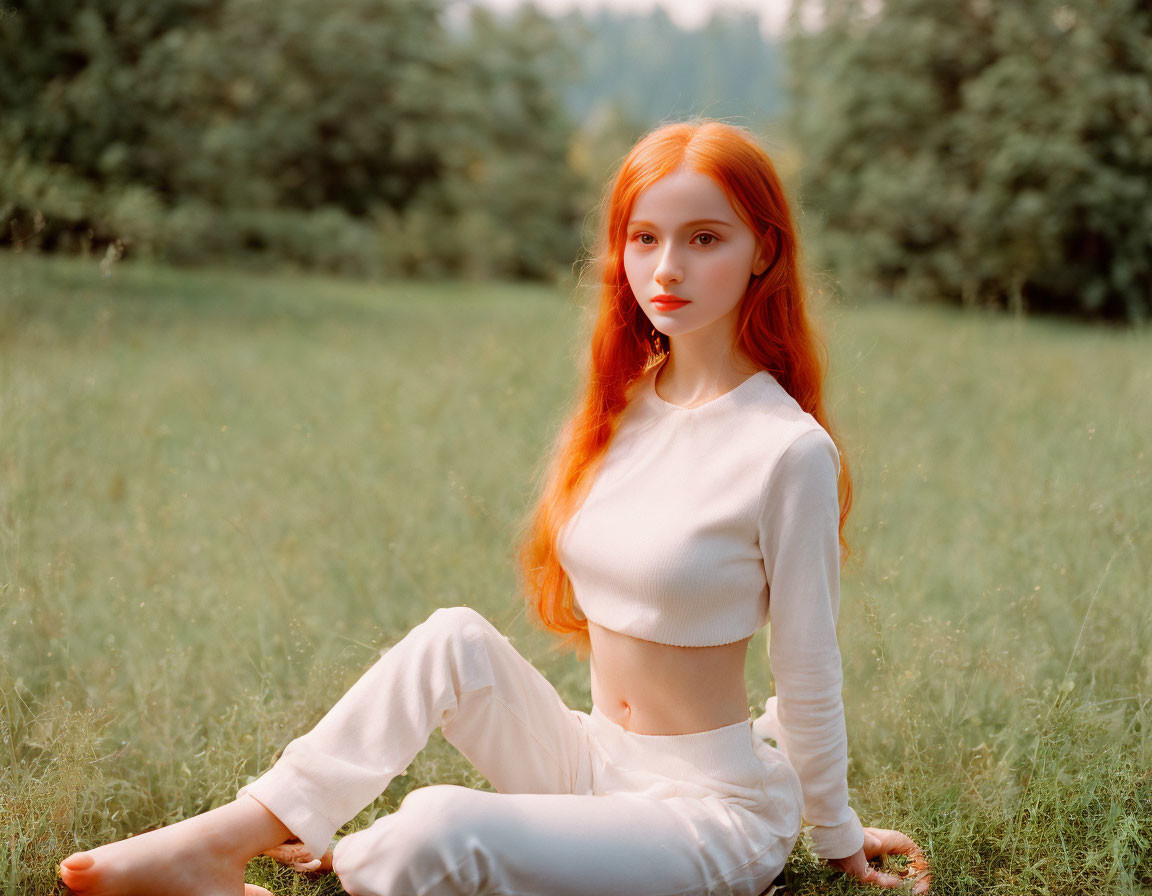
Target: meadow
(222,493)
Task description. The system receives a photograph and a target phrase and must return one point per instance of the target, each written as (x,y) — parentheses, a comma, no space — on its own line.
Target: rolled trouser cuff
(278,791)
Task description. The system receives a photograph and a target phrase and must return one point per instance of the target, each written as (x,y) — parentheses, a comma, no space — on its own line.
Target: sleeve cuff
(767,726)
(840,841)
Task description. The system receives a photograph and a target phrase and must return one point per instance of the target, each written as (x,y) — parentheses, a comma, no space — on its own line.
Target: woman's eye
(644,238)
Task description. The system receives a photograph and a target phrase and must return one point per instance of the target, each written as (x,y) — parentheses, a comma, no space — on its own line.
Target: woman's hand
(877,844)
(293,854)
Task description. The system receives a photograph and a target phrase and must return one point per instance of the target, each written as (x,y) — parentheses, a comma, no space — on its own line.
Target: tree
(982,153)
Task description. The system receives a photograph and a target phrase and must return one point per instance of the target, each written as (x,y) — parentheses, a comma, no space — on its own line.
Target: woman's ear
(760,263)
(765,257)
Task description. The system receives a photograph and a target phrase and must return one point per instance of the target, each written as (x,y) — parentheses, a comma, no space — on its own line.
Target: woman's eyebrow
(686,223)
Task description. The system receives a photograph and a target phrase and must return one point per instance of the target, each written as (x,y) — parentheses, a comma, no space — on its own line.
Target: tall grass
(222,494)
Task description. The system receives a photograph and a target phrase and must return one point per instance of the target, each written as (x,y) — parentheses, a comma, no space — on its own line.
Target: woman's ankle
(244,828)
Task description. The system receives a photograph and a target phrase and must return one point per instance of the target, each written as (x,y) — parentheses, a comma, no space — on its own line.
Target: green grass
(221,493)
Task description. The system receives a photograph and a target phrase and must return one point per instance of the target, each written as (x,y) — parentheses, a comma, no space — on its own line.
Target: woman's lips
(667,303)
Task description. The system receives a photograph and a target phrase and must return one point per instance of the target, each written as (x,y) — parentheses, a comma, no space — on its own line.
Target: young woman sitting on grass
(694,495)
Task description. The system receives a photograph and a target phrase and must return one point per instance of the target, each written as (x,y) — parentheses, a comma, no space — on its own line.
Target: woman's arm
(800,540)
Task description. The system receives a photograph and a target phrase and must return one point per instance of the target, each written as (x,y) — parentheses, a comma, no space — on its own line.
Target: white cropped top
(702,523)
(667,544)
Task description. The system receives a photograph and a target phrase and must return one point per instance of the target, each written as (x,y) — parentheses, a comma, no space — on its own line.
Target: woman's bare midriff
(652,688)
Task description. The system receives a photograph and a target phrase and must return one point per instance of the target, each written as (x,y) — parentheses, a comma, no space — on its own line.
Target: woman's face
(685,240)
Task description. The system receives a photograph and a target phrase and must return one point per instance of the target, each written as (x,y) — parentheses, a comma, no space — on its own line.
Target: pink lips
(667,303)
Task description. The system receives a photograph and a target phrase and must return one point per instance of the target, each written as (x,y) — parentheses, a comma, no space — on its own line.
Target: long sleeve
(799,538)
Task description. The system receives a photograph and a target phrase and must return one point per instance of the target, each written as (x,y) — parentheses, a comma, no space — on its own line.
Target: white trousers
(583,806)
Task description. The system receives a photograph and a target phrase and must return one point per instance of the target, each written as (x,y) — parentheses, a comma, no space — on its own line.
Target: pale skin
(644,686)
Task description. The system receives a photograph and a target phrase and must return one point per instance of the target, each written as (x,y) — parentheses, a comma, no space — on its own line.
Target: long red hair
(773,330)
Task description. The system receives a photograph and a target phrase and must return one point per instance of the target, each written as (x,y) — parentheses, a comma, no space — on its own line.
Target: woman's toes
(253,890)
(79,861)
(74,870)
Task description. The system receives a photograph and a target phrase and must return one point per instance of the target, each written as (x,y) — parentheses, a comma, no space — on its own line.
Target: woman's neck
(685,379)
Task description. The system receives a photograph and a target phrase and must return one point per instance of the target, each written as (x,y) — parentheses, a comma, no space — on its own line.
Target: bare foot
(295,856)
(202,856)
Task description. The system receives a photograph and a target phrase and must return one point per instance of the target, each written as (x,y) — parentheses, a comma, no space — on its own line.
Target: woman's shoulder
(772,407)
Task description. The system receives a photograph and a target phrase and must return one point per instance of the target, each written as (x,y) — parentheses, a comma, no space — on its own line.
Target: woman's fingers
(885,842)
(294,855)
(881,878)
(870,875)
(880,842)
(857,866)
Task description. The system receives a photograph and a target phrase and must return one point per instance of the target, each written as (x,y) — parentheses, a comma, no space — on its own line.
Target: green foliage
(983,153)
(221,494)
(184,129)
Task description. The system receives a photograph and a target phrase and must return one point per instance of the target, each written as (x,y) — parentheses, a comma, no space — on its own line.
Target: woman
(695,492)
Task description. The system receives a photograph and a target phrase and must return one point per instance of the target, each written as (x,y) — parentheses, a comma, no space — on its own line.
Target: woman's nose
(669,268)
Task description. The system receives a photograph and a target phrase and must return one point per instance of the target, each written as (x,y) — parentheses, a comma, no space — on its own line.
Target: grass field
(222,493)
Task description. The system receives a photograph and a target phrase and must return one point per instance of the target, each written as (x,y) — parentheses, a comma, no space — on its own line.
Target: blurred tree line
(361,136)
(977,152)
(981,152)
(365,136)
